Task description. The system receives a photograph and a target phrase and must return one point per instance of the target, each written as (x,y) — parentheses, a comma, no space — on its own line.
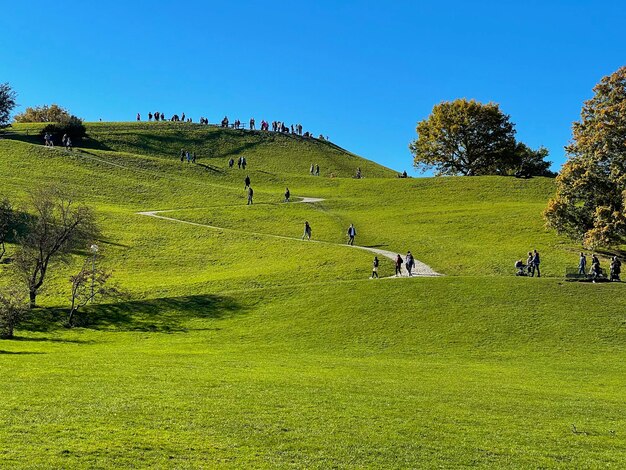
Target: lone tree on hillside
(58,226)
(7,103)
(590,198)
(465,137)
(45,113)
(60,119)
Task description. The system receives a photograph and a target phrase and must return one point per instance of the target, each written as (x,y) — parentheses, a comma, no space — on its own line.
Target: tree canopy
(7,103)
(45,113)
(465,137)
(591,189)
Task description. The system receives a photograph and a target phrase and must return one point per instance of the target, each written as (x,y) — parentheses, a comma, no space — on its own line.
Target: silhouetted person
(287,195)
(250,194)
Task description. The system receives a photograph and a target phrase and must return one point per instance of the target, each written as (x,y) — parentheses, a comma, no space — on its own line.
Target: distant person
(351,234)
(582,264)
(399,262)
(409,263)
(63,139)
(247,182)
(243,162)
(231,162)
(317,170)
(358,173)
(188,155)
(250,194)
(182,155)
(616,269)
(596,270)
(312,169)
(287,195)
(307,231)
(404,174)
(68,143)
(149,116)
(529,264)
(182,117)
(252,124)
(138,117)
(239,163)
(375,268)
(193,157)
(536,262)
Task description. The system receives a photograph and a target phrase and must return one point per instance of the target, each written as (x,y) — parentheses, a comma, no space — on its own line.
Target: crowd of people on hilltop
(276,126)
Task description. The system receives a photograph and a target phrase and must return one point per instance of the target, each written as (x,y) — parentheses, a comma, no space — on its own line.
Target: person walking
(317,170)
(409,263)
(536,262)
(616,269)
(247,182)
(595,271)
(399,262)
(231,162)
(239,163)
(243,162)
(287,195)
(193,158)
(307,231)
(351,234)
(375,268)
(312,169)
(582,264)
(250,194)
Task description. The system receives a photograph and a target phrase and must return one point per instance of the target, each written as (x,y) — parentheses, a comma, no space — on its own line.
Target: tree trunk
(33,298)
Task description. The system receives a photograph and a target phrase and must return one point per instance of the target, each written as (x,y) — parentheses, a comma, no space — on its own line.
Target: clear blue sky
(363,73)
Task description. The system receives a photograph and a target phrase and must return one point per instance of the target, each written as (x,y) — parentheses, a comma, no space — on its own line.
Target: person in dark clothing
(287,195)
(595,271)
(250,194)
(616,269)
(536,264)
(239,163)
(231,162)
(399,262)
(247,181)
(317,170)
(375,268)
(243,162)
(351,234)
(182,155)
(409,263)
(193,157)
(307,231)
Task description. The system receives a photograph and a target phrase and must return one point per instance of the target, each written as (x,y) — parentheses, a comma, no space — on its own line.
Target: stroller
(521,268)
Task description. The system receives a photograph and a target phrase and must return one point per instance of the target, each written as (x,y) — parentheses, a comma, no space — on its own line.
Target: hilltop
(238,348)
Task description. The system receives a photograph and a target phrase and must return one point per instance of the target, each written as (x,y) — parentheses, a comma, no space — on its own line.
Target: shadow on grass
(20,352)
(165,315)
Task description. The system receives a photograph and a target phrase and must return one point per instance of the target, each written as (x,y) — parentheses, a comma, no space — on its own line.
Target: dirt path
(420,269)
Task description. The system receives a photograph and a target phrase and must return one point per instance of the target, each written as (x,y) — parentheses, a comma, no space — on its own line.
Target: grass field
(245,350)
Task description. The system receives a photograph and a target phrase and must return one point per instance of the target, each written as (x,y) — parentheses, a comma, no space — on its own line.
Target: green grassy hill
(240,349)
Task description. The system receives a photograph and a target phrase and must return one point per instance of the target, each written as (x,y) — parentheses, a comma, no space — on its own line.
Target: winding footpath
(419,270)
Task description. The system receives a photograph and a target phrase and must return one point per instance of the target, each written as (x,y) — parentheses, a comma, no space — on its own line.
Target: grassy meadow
(237,349)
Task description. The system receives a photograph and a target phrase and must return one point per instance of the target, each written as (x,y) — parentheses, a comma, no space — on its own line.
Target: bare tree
(12,310)
(59,225)
(90,282)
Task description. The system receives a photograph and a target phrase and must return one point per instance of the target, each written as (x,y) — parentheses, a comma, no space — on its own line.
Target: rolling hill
(242,346)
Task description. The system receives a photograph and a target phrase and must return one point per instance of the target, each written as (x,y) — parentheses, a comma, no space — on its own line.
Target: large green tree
(590,198)
(7,103)
(465,137)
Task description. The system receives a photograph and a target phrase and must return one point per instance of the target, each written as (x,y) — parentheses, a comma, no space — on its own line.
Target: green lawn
(239,349)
